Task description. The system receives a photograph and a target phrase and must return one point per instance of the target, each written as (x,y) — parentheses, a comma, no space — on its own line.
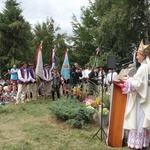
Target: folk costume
(137,115)
(32,83)
(46,81)
(23,79)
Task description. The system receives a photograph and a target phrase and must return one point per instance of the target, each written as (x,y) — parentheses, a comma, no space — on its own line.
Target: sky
(36,11)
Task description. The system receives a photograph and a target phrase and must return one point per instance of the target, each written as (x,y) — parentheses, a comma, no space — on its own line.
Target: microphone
(127,63)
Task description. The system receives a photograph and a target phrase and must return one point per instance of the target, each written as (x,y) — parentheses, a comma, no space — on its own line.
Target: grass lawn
(31,126)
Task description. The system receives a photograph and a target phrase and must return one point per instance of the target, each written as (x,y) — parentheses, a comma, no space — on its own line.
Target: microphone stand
(101,130)
(124,66)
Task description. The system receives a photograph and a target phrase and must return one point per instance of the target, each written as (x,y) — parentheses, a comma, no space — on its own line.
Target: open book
(130,71)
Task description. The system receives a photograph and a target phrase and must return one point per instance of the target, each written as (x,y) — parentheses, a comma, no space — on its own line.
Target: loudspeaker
(111,62)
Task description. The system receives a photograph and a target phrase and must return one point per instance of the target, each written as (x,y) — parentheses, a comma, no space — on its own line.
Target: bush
(73,112)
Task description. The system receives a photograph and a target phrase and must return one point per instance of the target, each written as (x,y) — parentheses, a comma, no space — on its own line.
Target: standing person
(102,78)
(55,83)
(93,80)
(85,77)
(13,77)
(75,75)
(85,73)
(137,114)
(32,84)
(13,74)
(23,79)
(46,81)
(112,74)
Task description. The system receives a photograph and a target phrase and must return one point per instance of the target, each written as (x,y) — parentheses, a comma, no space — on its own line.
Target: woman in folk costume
(137,115)
(23,79)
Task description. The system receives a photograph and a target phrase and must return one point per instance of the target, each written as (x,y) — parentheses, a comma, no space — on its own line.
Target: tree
(116,27)
(47,32)
(83,39)
(15,35)
(62,46)
(120,26)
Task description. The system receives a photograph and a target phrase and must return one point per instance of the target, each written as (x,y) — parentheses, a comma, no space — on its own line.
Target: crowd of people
(24,85)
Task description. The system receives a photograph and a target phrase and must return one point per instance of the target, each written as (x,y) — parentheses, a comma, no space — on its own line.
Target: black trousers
(53,94)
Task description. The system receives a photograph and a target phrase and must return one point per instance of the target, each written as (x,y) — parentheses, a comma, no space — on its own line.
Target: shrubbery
(73,112)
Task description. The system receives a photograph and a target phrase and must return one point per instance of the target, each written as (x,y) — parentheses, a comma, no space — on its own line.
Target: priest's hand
(124,78)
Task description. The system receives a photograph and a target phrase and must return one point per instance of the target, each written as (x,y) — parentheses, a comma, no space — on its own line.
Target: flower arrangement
(78,93)
(103,111)
(92,102)
(96,103)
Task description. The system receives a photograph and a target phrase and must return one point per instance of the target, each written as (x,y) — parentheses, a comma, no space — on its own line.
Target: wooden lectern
(117,111)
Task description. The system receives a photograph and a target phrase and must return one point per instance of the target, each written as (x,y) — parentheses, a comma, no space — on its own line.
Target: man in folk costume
(32,83)
(23,79)
(137,114)
(46,81)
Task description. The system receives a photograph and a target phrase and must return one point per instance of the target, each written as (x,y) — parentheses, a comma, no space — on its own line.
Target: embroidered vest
(46,73)
(32,73)
(23,75)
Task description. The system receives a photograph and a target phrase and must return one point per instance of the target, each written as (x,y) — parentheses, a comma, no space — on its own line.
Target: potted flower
(104,113)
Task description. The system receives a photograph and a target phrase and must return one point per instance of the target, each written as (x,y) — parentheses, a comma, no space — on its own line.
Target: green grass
(31,126)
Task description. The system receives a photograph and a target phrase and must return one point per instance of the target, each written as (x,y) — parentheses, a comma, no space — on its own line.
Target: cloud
(60,10)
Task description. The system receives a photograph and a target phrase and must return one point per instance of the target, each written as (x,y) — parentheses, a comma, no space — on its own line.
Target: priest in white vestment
(137,115)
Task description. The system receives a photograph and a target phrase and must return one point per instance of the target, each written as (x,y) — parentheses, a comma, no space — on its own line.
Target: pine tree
(15,35)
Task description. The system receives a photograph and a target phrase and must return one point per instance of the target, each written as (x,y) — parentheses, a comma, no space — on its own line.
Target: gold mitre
(144,49)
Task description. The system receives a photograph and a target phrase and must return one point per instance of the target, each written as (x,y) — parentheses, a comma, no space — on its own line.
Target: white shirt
(111,76)
(85,73)
(26,77)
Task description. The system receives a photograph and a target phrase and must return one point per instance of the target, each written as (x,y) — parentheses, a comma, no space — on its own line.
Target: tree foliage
(18,43)
(83,39)
(44,32)
(118,28)
(15,35)
(47,32)
(115,26)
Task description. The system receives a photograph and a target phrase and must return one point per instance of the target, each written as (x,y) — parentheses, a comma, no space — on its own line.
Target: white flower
(88,104)
(90,107)
(105,111)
